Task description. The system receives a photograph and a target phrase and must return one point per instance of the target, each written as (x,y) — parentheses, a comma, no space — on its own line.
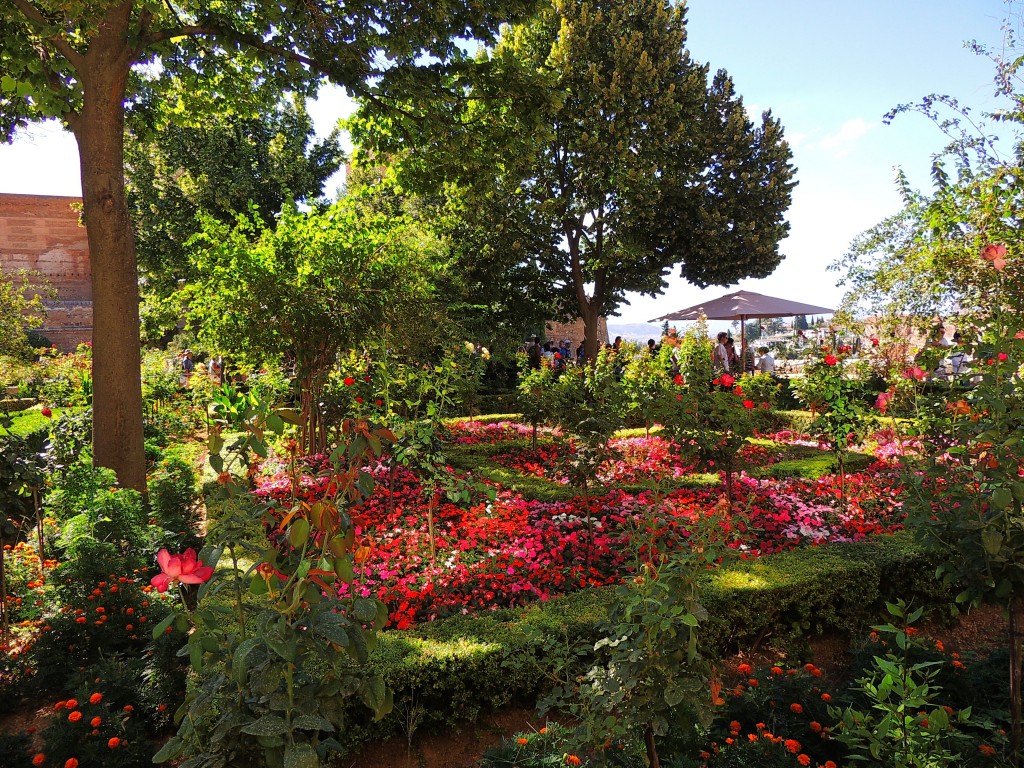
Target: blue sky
(829,70)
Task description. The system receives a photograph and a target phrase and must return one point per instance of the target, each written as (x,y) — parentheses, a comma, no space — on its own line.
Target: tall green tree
(616,160)
(314,284)
(220,166)
(80,60)
(21,308)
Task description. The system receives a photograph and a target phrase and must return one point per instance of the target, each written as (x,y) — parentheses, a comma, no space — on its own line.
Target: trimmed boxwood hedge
(455,668)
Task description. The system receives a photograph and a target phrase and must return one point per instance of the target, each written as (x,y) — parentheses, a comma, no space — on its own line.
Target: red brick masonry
(42,233)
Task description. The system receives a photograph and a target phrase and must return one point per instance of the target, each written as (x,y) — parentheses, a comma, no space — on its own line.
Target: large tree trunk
(591,328)
(99,129)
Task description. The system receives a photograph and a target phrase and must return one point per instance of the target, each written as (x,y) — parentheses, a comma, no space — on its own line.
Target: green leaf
(312,723)
(268,725)
(300,756)
(365,610)
(170,750)
(217,462)
(160,628)
(992,541)
(298,532)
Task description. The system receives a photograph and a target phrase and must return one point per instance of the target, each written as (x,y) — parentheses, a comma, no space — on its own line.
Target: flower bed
(513,550)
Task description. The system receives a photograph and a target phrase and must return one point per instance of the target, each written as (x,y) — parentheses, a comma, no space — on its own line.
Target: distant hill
(640,332)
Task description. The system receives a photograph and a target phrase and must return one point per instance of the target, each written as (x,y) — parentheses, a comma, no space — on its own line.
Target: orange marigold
(572,760)
(75,716)
(796,708)
(776,670)
(71,703)
(522,741)
(815,726)
(39,759)
(986,750)
(803,759)
(826,697)
(792,745)
(829,764)
(744,669)
(114,742)
(95,722)
(96,698)
(71,762)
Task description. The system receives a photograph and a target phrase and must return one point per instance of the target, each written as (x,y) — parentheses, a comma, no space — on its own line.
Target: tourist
(720,357)
(766,363)
(533,354)
(747,358)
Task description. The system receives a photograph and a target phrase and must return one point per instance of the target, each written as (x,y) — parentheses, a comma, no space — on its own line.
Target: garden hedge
(452,669)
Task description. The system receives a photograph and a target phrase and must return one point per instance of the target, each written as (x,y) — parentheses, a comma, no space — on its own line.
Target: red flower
(914,373)
(114,743)
(744,669)
(831,359)
(47,413)
(874,342)
(184,568)
(737,390)
(796,708)
(359,400)
(883,401)
(71,762)
(994,253)
(1003,357)
(349,381)
(96,698)
(727,380)
(678,380)
(748,404)
(39,759)
(75,716)
(378,402)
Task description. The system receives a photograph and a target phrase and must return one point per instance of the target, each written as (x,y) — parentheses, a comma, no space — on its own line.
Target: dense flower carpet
(512,550)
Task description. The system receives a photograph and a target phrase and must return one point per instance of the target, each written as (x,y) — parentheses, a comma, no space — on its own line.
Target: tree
(81,61)
(315,284)
(225,165)
(21,308)
(614,161)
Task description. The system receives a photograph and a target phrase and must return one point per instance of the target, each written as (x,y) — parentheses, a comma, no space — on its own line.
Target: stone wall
(43,234)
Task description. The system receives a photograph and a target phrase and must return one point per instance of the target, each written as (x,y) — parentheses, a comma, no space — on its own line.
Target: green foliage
(605,149)
(21,309)
(316,283)
(178,173)
(905,726)
(278,662)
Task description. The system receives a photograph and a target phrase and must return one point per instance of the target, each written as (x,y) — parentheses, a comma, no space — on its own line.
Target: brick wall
(42,233)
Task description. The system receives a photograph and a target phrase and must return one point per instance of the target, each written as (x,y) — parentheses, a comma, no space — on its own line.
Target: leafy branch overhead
(612,156)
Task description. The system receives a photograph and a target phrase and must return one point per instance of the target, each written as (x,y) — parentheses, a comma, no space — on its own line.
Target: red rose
(748,404)
(47,413)
(359,400)
(874,342)
(727,380)
(831,359)
(349,381)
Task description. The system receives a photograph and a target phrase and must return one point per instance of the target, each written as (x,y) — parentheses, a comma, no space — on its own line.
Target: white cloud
(848,133)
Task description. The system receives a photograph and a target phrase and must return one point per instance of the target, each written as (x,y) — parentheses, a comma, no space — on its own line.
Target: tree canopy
(608,153)
(80,61)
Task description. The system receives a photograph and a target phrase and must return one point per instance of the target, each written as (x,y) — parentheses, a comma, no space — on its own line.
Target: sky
(828,70)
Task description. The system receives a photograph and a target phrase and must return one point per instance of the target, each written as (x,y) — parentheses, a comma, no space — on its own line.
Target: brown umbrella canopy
(744,304)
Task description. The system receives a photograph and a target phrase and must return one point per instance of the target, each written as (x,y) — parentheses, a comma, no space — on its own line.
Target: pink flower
(184,568)
(883,401)
(995,253)
(914,373)
(47,413)
(831,359)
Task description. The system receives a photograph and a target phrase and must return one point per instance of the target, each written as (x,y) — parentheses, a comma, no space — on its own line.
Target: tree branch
(62,46)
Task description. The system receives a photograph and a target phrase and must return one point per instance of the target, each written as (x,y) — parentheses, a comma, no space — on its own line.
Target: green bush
(456,667)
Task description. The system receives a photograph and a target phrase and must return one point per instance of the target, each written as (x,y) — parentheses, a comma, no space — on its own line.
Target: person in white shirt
(766,363)
(720,357)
